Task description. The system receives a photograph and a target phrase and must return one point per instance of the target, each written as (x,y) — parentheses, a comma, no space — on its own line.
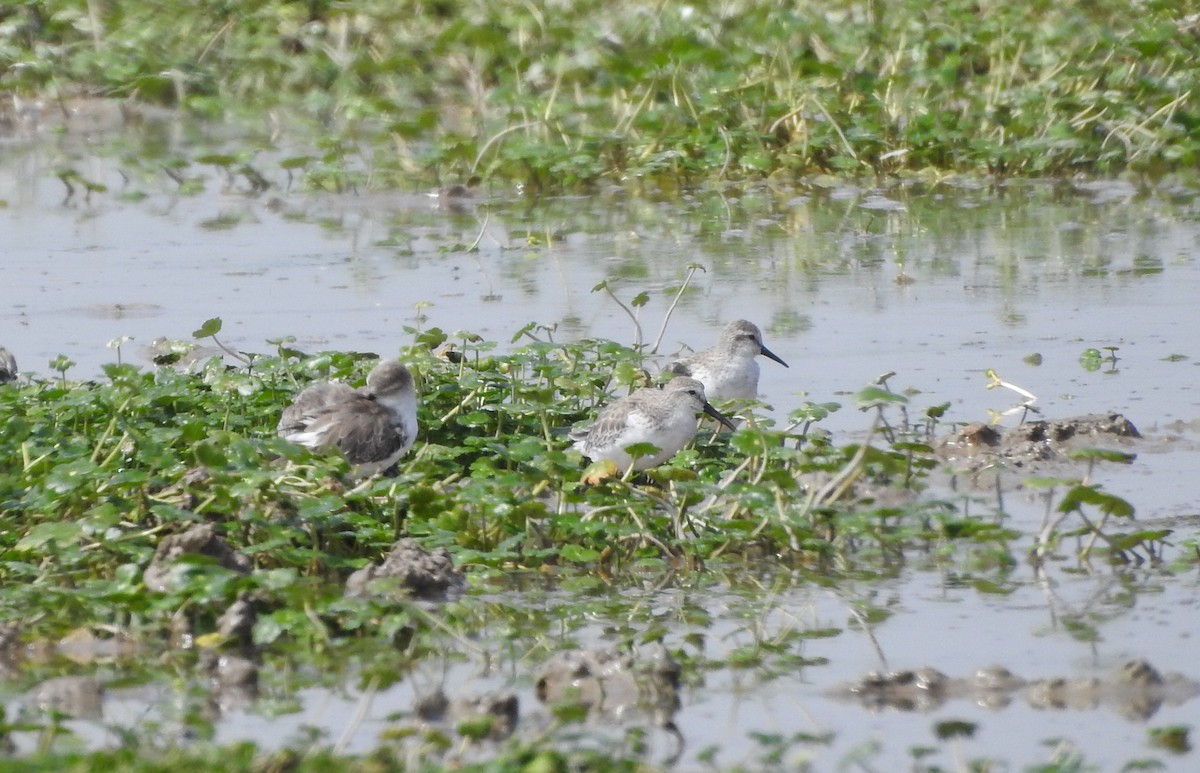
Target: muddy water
(936,283)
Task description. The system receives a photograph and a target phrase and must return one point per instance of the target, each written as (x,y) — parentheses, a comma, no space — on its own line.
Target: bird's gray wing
(362,430)
(612,422)
(316,398)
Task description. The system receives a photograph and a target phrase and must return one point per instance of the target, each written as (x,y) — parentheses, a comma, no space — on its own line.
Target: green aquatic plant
(582,95)
(1092,359)
(69,176)
(209,329)
(1081,496)
(108,466)
(96,476)
(1173,738)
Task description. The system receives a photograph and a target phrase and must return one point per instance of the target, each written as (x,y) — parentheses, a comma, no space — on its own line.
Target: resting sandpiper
(664,418)
(372,427)
(728,369)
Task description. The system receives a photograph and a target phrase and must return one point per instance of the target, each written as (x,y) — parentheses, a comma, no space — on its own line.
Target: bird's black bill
(720,417)
(772,355)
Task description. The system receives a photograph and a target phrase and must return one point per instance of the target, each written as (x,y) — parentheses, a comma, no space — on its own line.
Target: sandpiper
(665,418)
(372,426)
(8,366)
(728,369)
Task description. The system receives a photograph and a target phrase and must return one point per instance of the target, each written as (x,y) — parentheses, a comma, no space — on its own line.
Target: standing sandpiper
(727,369)
(8,366)
(664,418)
(373,426)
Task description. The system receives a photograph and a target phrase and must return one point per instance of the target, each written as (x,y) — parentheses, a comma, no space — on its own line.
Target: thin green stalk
(692,268)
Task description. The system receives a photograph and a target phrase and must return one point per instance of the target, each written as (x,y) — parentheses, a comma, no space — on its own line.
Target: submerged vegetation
(575,94)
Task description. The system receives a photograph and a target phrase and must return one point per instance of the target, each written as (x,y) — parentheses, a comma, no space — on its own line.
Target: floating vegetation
(100,473)
(575,95)
(160,509)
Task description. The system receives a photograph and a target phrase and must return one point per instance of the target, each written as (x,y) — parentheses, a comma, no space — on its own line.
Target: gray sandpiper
(373,426)
(728,369)
(665,418)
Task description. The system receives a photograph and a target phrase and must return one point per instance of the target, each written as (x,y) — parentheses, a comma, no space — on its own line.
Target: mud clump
(11,650)
(1033,444)
(921,689)
(1135,690)
(609,684)
(410,570)
(479,717)
(232,667)
(232,680)
(491,716)
(607,687)
(165,568)
(236,623)
(431,707)
(76,696)
(84,646)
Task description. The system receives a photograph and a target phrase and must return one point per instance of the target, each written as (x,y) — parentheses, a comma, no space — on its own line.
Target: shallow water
(930,620)
(997,273)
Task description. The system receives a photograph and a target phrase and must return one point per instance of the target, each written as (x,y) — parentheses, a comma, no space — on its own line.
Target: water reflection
(828,660)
